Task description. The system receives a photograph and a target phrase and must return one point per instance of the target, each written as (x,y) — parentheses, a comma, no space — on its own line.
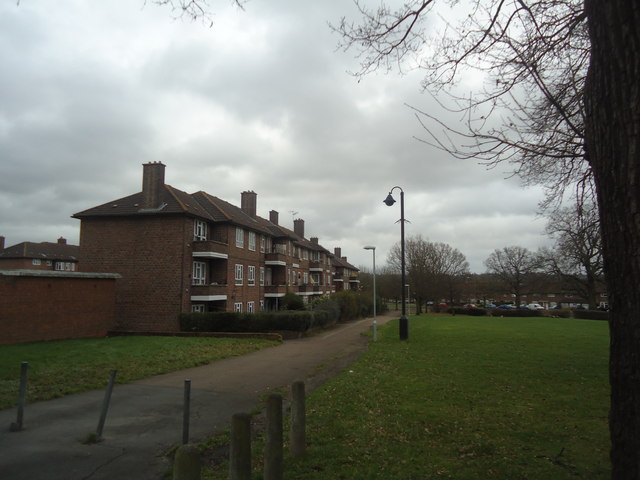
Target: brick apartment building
(180,252)
(59,256)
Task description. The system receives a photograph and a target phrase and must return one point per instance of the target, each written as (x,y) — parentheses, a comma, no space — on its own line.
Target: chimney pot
(62,241)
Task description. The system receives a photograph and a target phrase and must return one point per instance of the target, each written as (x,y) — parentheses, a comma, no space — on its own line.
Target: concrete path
(145,417)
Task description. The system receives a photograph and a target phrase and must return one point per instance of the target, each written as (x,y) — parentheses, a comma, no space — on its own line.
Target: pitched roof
(173,201)
(42,250)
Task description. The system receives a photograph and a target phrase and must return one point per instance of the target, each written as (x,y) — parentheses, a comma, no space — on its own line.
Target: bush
(591,314)
(291,301)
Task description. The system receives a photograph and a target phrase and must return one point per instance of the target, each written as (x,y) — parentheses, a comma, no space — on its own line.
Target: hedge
(288,320)
(591,314)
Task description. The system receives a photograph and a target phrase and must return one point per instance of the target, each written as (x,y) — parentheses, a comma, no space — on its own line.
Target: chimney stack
(1,242)
(314,240)
(298,227)
(152,184)
(62,241)
(273,217)
(248,203)
(337,251)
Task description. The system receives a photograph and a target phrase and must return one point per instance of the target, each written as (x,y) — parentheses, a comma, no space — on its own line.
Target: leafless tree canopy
(533,56)
(514,266)
(193,9)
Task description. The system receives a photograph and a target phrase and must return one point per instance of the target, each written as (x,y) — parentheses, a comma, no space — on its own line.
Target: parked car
(535,306)
(469,305)
(489,305)
(506,306)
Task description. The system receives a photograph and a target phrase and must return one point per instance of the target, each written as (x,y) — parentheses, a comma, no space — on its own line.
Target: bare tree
(515,266)
(193,9)
(534,56)
(434,270)
(577,254)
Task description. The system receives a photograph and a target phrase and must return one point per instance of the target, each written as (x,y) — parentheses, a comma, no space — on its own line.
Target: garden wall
(49,305)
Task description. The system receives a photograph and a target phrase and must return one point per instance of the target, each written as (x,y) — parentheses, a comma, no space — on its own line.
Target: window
(60,266)
(251,275)
(199,230)
(239,274)
(262,305)
(237,307)
(35,261)
(239,238)
(261,275)
(252,241)
(306,278)
(198,308)
(269,245)
(199,273)
(262,243)
(251,307)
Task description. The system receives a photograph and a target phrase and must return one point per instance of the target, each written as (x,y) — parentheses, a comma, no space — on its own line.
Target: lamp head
(369,247)
(389,200)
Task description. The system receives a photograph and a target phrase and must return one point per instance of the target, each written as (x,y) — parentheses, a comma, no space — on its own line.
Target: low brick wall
(48,305)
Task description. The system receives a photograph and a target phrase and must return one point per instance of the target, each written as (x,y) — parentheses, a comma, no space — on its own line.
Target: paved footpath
(145,417)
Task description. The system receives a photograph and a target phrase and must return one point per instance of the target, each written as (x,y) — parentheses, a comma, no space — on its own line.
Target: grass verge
(71,366)
(463,398)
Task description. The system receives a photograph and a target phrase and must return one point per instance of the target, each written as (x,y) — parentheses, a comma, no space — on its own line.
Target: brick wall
(152,254)
(37,306)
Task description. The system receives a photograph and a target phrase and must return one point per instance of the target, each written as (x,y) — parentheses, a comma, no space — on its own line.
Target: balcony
(278,290)
(209,293)
(275,258)
(315,266)
(210,249)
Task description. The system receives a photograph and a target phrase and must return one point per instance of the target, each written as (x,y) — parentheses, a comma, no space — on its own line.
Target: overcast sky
(262,101)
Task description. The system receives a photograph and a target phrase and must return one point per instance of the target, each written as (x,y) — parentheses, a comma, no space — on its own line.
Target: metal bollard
(297,439)
(22,396)
(105,404)
(273,456)
(240,454)
(187,411)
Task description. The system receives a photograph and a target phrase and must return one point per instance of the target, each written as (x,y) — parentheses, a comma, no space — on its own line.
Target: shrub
(476,312)
(295,320)
(292,301)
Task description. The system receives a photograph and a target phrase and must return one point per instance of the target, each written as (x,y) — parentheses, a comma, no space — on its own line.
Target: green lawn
(464,398)
(70,366)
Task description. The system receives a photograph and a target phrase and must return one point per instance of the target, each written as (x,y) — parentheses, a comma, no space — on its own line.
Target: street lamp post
(404,322)
(375,325)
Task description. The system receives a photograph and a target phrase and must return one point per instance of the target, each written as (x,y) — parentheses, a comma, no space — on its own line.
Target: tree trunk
(612,132)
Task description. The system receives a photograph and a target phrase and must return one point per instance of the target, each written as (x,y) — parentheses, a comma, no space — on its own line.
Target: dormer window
(199,230)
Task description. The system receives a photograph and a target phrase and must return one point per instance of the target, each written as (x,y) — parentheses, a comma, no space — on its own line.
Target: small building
(59,256)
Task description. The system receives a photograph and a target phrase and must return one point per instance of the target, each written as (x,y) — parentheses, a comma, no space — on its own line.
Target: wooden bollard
(240,454)
(297,439)
(187,464)
(273,445)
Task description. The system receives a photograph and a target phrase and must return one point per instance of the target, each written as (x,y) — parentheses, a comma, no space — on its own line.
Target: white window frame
(199,273)
(251,307)
(263,243)
(262,305)
(252,241)
(261,276)
(239,274)
(197,308)
(199,230)
(251,275)
(59,266)
(237,307)
(239,237)
(35,261)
